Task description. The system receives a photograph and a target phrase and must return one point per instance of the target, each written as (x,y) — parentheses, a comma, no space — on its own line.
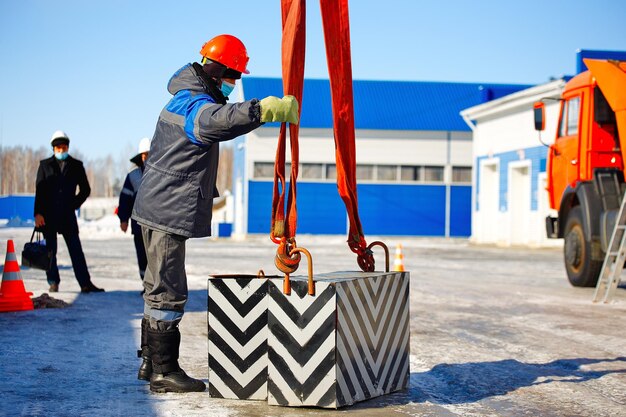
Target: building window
(365,172)
(461,174)
(368,172)
(287,171)
(263,170)
(409,173)
(386,173)
(433,174)
(331,172)
(311,171)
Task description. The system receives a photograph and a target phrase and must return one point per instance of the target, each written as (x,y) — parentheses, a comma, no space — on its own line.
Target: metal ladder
(613,265)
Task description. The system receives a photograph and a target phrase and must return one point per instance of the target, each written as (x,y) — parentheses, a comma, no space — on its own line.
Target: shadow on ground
(462,383)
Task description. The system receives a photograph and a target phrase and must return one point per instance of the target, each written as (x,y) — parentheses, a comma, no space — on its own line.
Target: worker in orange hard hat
(176,194)
(224,58)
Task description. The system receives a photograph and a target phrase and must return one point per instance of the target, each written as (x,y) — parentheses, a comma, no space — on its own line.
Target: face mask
(61,156)
(227,88)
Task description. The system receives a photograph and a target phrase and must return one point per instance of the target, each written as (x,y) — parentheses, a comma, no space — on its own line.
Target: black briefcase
(36,254)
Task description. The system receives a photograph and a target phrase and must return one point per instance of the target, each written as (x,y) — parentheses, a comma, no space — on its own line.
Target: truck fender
(587,198)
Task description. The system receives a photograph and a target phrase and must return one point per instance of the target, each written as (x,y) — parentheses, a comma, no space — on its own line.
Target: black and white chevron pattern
(348,343)
(237,321)
(372,337)
(301,345)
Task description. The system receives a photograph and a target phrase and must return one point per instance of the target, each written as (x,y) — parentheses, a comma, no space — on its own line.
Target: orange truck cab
(585,168)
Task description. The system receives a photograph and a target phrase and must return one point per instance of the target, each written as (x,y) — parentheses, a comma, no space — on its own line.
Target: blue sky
(98,70)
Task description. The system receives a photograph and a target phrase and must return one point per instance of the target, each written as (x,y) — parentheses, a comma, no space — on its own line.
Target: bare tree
(102,175)
(19,169)
(19,164)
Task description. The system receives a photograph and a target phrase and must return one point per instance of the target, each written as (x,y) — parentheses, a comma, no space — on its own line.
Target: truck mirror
(539,113)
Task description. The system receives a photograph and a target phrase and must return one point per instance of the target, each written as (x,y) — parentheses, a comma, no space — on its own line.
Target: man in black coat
(55,204)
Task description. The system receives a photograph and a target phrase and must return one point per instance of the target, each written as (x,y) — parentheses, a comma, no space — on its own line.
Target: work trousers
(140,249)
(165,281)
(76,254)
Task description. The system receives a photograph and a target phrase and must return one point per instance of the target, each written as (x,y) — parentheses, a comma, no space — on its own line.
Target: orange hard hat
(228,51)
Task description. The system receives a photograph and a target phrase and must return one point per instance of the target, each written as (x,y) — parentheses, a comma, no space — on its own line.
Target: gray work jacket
(178,185)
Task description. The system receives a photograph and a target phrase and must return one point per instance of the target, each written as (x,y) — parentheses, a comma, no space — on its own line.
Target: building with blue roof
(388,105)
(414,158)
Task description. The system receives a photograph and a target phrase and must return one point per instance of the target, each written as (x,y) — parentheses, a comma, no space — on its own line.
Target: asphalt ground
(494,332)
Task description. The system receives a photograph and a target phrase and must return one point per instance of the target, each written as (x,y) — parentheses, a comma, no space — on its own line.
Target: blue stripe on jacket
(187,105)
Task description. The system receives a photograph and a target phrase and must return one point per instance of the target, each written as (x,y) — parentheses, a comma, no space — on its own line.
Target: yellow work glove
(274,109)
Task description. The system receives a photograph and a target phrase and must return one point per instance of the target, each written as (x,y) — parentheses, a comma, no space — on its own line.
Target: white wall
(503,126)
(513,131)
(372,147)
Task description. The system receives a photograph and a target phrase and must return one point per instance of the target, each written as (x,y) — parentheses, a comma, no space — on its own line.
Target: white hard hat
(144,145)
(59,137)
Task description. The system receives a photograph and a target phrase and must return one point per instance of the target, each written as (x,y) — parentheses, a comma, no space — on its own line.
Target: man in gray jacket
(176,194)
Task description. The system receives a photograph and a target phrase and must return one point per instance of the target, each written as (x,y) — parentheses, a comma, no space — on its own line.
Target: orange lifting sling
(337,39)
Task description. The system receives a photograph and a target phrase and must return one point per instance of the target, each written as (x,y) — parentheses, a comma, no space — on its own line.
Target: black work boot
(177,381)
(167,375)
(89,287)
(145,369)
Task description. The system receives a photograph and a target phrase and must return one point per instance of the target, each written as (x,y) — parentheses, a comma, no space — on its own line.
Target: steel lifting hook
(379,243)
(311,285)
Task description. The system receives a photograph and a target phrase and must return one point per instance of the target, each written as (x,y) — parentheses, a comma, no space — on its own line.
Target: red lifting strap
(337,38)
(283,231)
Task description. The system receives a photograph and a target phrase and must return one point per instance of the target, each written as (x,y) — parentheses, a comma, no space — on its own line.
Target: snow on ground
(106,227)
(494,332)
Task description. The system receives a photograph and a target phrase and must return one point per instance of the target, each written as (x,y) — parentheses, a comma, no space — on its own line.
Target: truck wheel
(582,271)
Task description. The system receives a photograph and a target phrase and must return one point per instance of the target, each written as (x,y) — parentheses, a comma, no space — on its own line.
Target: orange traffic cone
(398,263)
(13,295)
